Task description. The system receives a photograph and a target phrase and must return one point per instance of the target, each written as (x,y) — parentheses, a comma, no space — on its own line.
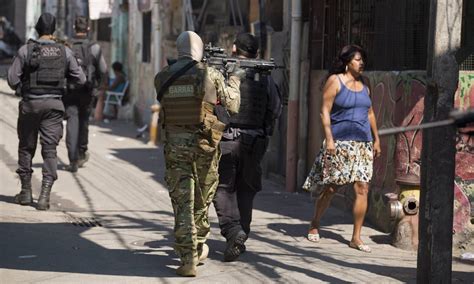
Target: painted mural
(398,100)
(464,189)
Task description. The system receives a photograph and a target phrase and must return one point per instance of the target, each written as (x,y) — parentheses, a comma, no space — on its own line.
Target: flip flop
(361,247)
(315,238)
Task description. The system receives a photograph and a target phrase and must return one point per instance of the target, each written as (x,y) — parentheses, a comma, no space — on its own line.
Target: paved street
(112,222)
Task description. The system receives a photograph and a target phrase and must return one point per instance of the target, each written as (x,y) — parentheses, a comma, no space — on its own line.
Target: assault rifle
(215,56)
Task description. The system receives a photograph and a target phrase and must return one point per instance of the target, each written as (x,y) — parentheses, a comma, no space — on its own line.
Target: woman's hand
(330,147)
(377,149)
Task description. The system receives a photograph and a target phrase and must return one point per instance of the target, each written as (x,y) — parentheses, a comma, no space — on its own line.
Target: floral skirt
(352,162)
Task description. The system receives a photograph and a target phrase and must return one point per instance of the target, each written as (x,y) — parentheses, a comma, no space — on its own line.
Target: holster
(222,115)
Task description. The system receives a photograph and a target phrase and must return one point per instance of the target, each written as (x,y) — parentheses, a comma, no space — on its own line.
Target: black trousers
(78,110)
(240,178)
(43,117)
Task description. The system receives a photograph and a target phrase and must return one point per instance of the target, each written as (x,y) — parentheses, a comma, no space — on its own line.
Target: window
(274,14)
(467,32)
(146,33)
(103,29)
(394,33)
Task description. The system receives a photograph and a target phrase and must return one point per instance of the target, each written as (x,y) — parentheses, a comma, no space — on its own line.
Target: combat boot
(235,246)
(203,251)
(73,166)
(188,267)
(43,200)
(83,158)
(25,196)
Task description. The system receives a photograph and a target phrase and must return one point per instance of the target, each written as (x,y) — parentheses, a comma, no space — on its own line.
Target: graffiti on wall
(398,100)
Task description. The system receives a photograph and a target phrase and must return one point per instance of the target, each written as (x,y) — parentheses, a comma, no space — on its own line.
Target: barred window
(467,39)
(394,33)
(146,35)
(467,64)
(103,29)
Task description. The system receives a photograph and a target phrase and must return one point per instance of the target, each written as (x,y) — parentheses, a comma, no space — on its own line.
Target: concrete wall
(397,99)
(141,74)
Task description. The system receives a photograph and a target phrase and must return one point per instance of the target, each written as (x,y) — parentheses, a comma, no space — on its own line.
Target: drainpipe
(157,37)
(157,58)
(292,123)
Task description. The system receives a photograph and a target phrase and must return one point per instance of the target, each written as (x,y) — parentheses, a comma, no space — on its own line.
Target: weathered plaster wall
(141,74)
(397,99)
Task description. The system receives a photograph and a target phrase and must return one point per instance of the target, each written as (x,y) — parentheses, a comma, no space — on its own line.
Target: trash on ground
(27,256)
(467,256)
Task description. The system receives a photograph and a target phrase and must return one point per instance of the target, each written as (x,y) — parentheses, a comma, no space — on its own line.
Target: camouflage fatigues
(192,157)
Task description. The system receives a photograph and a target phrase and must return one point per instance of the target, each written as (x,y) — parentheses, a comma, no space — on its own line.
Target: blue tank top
(349,115)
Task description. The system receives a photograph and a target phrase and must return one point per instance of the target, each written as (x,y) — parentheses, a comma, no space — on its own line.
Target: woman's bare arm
(329,94)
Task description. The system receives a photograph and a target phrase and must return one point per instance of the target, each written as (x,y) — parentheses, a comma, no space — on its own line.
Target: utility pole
(263,28)
(439,145)
(61,19)
(292,113)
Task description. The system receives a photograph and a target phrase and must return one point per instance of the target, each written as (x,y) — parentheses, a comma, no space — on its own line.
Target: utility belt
(235,134)
(29,97)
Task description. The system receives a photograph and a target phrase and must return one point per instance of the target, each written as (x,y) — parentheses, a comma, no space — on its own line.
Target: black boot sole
(42,207)
(23,202)
(235,248)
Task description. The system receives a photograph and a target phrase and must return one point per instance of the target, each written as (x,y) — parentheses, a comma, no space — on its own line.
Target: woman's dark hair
(117,66)
(345,56)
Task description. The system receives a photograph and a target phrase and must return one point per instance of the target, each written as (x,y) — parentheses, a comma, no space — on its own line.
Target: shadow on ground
(59,247)
(148,160)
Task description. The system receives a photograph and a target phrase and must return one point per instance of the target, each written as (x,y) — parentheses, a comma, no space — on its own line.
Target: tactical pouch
(211,133)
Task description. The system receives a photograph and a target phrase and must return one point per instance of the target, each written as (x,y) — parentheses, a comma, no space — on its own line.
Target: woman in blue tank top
(351,142)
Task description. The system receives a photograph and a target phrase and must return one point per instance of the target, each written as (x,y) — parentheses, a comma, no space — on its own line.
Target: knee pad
(48,151)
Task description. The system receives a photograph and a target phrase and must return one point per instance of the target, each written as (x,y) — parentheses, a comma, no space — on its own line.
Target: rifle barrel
(458,117)
(395,130)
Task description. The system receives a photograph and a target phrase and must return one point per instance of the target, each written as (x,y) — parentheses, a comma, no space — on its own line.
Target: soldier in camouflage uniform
(188,92)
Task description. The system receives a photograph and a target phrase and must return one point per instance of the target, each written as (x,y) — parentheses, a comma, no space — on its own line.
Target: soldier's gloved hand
(234,70)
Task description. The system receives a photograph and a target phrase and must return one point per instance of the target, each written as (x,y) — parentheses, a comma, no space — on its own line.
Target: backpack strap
(173,78)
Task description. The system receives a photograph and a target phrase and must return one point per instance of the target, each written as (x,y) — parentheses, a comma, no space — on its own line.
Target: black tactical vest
(253,102)
(45,69)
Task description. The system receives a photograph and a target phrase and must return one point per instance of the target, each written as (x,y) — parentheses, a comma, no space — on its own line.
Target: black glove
(18,91)
(234,70)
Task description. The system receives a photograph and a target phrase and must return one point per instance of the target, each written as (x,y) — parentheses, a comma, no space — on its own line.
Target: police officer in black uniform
(38,74)
(243,146)
(78,99)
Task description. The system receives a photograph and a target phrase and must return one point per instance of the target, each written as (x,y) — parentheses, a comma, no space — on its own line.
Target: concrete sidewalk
(112,222)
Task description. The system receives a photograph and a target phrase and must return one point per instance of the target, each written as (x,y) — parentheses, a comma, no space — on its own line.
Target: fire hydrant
(405,209)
